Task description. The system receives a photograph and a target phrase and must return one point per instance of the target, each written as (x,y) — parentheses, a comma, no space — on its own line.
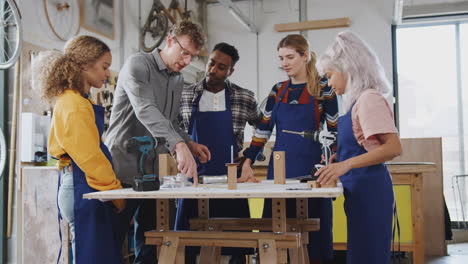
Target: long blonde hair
(53,71)
(301,46)
(351,55)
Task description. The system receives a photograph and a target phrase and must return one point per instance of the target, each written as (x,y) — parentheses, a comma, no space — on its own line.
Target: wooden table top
(265,189)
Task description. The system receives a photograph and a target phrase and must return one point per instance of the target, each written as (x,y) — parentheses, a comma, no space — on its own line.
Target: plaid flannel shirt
(243,107)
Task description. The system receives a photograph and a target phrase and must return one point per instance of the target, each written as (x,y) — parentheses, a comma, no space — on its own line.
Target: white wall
(258,68)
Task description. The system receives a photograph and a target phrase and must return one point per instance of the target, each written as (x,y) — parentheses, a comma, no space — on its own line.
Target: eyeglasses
(185,53)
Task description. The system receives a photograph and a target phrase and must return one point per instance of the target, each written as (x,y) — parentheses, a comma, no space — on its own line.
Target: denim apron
(369,202)
(95,241)
(301,155)
(214,129)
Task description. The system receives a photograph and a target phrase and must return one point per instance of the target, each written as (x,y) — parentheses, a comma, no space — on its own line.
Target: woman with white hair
(367,137)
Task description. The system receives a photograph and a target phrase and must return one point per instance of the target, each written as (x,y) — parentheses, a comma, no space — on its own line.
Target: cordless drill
(143,147)
(326,139)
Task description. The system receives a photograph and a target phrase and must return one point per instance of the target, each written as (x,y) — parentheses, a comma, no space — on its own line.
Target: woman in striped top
(304,102)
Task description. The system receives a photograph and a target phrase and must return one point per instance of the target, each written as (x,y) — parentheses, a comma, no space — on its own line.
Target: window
(432,63)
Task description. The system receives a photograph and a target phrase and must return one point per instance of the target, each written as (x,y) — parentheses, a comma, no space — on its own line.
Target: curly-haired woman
(75,140)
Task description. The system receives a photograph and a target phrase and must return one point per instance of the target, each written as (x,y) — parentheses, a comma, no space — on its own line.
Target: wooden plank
(39,241)
(279,167)
(203,208)
(249,224)
(162,211)
(169,250)
(301,255)
(267,250)
(278,215)
(429,150)
(224,239)
(232,176)
(404,246)
(412,167)
(313,24)
(210,255)
(204,191)
(417,199)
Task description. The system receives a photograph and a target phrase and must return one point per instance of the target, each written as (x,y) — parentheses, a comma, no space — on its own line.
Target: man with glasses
(215,112)
(146,103)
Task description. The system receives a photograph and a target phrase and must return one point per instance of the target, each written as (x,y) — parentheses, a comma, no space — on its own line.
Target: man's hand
(200,151)
(185,162)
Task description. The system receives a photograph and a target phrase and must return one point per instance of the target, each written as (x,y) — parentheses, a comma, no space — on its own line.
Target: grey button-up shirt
(146,103)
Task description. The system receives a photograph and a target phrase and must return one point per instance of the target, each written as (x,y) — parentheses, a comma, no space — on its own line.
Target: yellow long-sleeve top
(74,132)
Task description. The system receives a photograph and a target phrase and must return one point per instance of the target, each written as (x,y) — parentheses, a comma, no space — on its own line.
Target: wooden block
(167,165)
(232,176)
(279,167)
(313,24)
(313,184)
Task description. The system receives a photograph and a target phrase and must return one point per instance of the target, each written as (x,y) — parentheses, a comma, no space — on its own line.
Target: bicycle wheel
(63,17)
(154,31)
(10,33)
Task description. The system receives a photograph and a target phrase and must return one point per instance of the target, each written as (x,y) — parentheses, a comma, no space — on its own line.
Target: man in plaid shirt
(214,113)
(243,103)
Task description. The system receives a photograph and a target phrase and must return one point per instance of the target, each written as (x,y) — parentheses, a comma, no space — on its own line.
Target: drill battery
(144,183)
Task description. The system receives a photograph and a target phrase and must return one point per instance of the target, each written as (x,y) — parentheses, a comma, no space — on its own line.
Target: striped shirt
(243,107)
(326,111)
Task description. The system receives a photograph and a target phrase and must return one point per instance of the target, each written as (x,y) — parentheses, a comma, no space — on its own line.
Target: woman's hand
(330,160)
(247,172)
(119,205)
(332,172)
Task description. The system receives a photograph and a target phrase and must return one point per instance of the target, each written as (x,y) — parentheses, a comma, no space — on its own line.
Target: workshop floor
(457,254)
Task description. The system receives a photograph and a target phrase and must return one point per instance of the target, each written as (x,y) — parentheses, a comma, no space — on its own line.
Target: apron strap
(396,230)
(59,217)
(195,108)
(284,88)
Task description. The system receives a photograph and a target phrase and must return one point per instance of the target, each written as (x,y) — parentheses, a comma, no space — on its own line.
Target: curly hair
(229,50)
(301,45)
(54,72)
(194,31)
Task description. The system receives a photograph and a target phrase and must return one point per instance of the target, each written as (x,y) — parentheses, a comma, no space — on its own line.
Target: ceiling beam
(313,24)
(415,11)
(398,12)
(239,15)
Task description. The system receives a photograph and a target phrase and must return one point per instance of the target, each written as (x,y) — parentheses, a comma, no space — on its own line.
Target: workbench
(408,188)
(284,233)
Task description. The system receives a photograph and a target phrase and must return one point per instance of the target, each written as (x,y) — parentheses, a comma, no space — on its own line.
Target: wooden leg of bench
(279,224)
(305,254)
(267,249)
(180,258)
(210,255)
(302,212)
(169,250)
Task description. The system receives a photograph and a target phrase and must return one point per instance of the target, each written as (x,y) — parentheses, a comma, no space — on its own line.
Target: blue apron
(95,241)
(368,202)
(301,155)
(214,130)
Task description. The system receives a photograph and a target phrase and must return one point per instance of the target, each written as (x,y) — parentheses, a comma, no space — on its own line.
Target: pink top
(371,115)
